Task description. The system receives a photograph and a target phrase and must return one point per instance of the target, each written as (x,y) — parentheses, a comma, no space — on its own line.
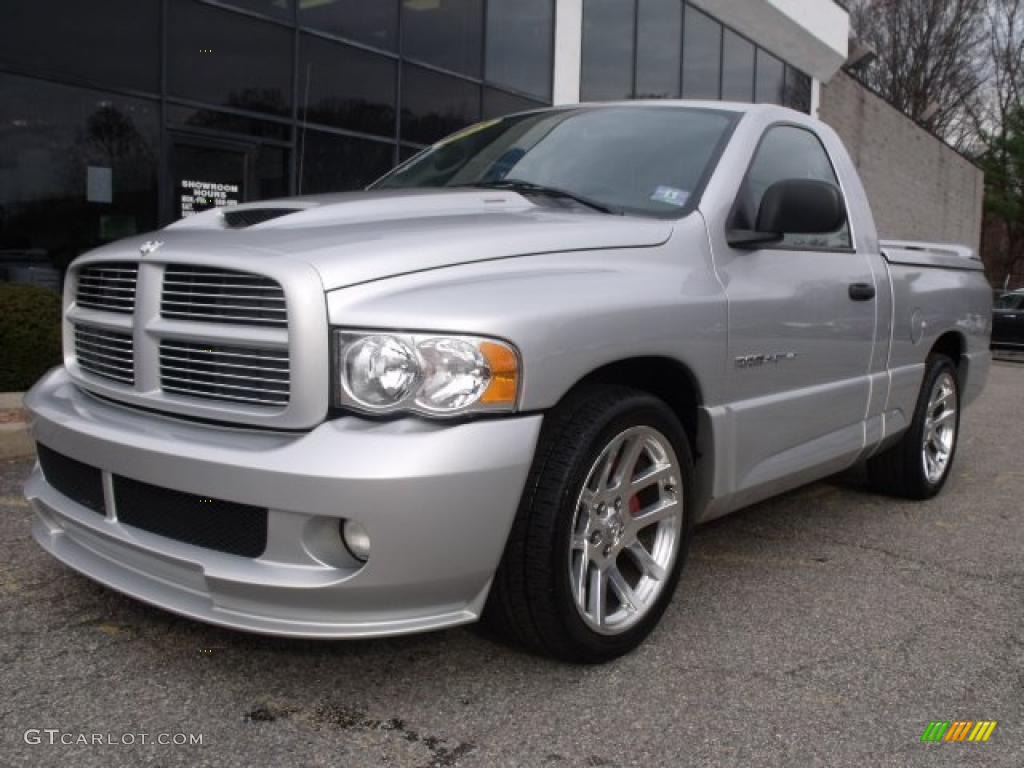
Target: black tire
(530,601)
(900,470)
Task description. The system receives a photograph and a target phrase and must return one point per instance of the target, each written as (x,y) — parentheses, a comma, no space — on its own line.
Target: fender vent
(248,217)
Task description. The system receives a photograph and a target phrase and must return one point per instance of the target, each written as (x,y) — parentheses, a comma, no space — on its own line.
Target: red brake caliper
(634,505)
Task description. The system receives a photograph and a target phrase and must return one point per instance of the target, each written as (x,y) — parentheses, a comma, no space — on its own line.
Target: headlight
(380,372)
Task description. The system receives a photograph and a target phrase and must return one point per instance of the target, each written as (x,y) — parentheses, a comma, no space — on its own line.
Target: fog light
(356,539)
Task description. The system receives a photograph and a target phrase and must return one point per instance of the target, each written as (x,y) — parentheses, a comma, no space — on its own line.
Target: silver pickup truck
(503,383)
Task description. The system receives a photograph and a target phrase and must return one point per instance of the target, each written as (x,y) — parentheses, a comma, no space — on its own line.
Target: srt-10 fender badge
(756,361)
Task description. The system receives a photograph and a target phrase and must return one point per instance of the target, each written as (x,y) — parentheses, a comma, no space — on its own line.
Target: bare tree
(1003,67)
(929,55)
(999,123)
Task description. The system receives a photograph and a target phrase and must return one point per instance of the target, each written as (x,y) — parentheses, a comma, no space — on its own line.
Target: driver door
(800,347)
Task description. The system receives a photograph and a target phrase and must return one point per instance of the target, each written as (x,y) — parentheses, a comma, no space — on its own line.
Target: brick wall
(919,188)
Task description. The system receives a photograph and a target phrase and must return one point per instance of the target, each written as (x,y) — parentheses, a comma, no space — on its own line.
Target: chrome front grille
(222,296)
(215,338)
(238,374)
(109,287)
(104,353)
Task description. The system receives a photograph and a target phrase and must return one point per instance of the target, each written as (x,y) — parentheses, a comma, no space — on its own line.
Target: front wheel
(600,537)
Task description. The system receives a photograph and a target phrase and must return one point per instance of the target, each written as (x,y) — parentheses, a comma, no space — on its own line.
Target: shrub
(29,334)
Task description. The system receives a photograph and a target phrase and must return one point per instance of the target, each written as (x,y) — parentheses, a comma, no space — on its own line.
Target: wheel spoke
(610,455)
(598,585)
(663,509)
(622,589)
(630,455)
(946,416)
(650,477)
(587,499)
(646,562)
(579,579)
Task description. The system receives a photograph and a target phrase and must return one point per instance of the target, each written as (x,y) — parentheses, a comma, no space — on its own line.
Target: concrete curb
(14,437)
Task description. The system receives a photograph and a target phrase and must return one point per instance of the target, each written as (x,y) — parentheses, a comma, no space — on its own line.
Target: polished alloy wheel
(626,530)
(939,428)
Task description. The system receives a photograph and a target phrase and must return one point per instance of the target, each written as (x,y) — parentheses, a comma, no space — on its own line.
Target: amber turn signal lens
(504,368)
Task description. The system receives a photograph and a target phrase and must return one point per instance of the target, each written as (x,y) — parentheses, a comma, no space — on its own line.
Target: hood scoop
(247,217)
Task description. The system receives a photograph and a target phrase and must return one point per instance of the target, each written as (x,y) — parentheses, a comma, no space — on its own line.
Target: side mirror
(793,207)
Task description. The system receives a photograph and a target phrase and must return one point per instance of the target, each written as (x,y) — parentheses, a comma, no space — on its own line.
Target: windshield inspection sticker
(671,196)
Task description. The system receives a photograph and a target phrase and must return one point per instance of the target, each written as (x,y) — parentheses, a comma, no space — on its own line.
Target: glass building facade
(120,116)
(668,49)
(117,116)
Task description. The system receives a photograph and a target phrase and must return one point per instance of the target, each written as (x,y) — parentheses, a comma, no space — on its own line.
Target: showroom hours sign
(196,195)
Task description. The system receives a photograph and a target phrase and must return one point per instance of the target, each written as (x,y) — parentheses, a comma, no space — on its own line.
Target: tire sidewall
(636,411)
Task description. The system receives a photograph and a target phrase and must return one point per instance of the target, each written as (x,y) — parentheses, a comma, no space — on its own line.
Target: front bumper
(438,502)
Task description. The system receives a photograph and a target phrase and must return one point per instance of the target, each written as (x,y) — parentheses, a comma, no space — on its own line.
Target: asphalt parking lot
(823,628)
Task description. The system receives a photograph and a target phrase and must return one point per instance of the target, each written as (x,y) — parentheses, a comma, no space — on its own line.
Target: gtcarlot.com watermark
(57,737)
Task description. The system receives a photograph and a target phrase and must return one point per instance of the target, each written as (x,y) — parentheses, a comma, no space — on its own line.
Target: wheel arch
(668,379)
(953,345)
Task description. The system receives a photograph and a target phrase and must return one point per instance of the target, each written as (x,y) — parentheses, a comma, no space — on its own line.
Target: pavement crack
(444,752)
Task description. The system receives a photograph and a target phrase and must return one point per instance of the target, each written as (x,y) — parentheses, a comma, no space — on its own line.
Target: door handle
(862,291)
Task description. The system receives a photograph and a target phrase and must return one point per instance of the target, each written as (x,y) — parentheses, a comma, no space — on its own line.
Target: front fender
(568,314)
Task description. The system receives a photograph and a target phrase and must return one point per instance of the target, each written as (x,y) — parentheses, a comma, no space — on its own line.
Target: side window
(787,152)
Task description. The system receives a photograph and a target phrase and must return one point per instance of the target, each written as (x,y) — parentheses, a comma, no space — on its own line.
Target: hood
(358,237)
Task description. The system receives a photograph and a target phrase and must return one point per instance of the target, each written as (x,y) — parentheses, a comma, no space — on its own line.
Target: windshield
(652,161)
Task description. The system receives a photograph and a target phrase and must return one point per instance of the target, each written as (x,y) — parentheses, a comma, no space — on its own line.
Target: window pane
(373,23)
(519,44)
(435,105)
(788,153)
(228,59)
(798,90)
(499,103)
(346,87)
(770,78)
(333,163)
(737,68)
(279,9)
(271,168)
(77,169)
(445,33)
(660,29)
(116,46)
(211,119)
(702,50)
(607,50)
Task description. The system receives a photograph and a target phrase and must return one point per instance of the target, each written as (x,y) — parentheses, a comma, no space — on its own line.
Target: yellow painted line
(13,501)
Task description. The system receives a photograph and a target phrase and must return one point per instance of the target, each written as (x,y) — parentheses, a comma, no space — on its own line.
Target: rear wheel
(601,534)
(918,465)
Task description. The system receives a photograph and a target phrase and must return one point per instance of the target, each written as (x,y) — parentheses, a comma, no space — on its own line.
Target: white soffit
(812,35)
